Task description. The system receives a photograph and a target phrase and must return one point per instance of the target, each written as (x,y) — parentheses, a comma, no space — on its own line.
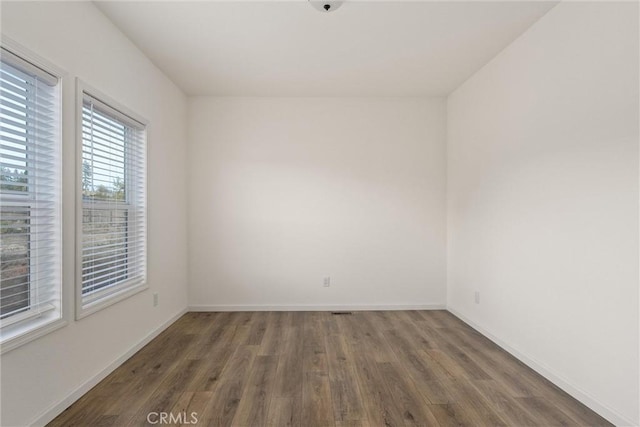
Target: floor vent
(340,313)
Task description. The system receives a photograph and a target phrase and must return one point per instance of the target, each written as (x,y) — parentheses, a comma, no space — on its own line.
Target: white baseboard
(314,307)
(57,408)
(552,376)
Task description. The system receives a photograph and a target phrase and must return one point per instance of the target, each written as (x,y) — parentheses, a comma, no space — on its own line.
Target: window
(113,223)
(30,199)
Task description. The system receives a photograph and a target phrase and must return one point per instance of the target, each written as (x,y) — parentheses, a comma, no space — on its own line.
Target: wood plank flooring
(308,369)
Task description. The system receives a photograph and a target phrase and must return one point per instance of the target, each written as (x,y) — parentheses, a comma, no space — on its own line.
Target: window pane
(105,248)
(103,157)
(113,202)
(14,257)
(14,180)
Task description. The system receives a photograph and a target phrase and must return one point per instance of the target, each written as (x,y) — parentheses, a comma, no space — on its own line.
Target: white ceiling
(275,48)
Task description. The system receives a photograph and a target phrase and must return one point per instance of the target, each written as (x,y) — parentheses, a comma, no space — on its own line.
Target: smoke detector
(326,5)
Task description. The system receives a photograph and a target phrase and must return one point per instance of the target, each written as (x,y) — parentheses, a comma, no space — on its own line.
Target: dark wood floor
(402,368)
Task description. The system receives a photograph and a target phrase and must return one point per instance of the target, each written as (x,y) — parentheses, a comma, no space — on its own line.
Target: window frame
(24,327)
(104,298)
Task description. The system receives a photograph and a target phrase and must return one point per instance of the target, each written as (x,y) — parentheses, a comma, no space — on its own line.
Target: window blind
(30,198)
(114,226)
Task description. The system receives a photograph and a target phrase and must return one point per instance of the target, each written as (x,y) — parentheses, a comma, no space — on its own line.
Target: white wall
(543,201)
(286,191)
(78,38)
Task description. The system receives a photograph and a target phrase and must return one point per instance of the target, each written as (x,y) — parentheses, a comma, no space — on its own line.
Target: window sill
(26,315)
(86,309)
(20,334)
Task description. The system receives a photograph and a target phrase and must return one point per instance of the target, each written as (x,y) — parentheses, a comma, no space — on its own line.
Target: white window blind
(30,198)
(114,226)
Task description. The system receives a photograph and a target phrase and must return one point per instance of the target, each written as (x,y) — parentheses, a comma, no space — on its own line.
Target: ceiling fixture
(326,5)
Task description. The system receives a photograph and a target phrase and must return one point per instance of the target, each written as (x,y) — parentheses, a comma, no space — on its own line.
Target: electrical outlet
(326,282)
(155,300)
(477,297)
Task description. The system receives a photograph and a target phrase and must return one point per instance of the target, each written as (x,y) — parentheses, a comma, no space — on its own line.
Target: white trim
(77,230)
(28,67)
(317,307)
(109,110)
(557,379)
(56,409)
(108,103)
(31,313)
(33,334)
(44,64)
(111,298)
